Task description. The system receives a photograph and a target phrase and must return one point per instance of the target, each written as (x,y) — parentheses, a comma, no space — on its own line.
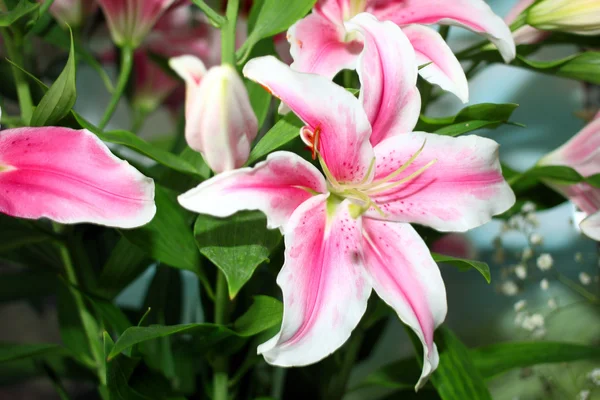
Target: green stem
(576,288)
(45,7)
(89,324)
(228,33)
(220,377)
(15,53)
(126,67)
(215,18)
(338,387)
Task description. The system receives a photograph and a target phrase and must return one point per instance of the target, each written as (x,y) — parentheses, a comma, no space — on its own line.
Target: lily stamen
(380,189)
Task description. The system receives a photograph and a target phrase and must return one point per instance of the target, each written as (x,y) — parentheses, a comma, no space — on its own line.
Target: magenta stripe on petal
(70,176)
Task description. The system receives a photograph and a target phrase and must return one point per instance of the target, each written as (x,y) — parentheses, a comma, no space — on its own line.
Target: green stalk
(228,33)
(15,53)
(340,381)
(221,364)
(89,324)
(125,72)
(216,19)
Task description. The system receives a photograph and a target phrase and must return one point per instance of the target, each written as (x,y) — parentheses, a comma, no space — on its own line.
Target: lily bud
(72,12)
(582,153)
(152,85)
(130,21)
(575,16)
(220,122)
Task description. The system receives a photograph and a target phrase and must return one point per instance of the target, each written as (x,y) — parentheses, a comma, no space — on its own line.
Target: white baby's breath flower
(527,253)
(544,284)
(583,395)
(545,261)
(536,239)
(528,207)
(509,288)
(521,271)
(584,278)
(519,305)
(594,376)
(552,304)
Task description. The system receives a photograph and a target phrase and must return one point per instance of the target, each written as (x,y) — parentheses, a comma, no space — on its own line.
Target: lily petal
(318,46)
(474,15)
(463,189)
(444,70)
(331,114)
(405,276)
(70,176)
(387,69)
(276,186)
(591,226)
(324,283)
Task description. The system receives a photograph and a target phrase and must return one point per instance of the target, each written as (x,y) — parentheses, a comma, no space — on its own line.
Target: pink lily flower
(72,12)
(220,122)
(70,176)
(130,21)
(582,153)
(321,43)
(349,232)
(525,34)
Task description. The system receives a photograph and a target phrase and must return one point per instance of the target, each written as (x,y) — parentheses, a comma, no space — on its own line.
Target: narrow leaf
(283,132)
(23,8)
(464,264)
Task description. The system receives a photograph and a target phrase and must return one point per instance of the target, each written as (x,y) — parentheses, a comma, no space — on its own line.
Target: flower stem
(90,327)
(228,33)
(216,19)
(14,51)
(577,288)
(338,387)
(125,72)
(220,377)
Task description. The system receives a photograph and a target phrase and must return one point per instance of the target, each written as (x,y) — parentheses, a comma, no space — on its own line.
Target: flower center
(354,7)
(361,193)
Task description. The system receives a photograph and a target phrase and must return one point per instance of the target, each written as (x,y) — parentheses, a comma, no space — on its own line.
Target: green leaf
(262,315)
(60,98)
(163,157)
(456,377)
(26,284)
(478,116)
(17,232)
(265,312)
(168,237)
(23,8)
(464,265)
(549,173)
(125,264)
(72,331)
(583,66)
(271,17)
(236,245)
(283,132)
(400,375)
(118,372)
(14,351)
(498,358)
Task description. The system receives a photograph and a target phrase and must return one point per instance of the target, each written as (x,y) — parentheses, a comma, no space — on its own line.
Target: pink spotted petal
(591,226)
(474,15)
(462,190)
(276,187)
(387,68)
(324,283)
(70,176)
(405,276)
(344,130)
(444,69)
(319,46)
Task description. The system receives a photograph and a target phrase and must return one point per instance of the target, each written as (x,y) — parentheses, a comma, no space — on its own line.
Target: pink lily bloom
(73,12)
(130,21)
(582,153)
(220,122)
(525,34)
(70,176)
(349,232)
(322,43)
